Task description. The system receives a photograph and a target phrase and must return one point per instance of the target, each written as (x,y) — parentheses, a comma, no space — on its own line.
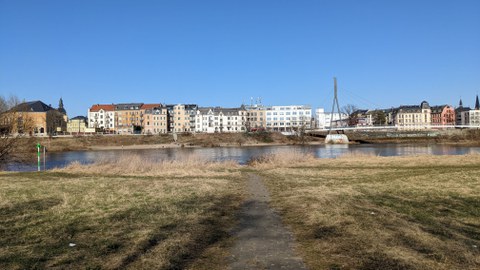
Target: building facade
(323,119)
(181,117)
(219,120)
(443,115)
(288,118)
(34,118)
(77,125)
(256,119)
(155,119)
(128,118)
(102,116)
(413,117)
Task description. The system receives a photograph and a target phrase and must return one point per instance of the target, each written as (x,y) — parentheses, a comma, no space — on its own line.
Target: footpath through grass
(380,213)
(347,213)
(170,216)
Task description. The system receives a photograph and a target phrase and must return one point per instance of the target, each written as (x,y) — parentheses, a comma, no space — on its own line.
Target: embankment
(99,142)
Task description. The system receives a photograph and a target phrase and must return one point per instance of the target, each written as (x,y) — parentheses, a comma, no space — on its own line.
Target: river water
(243,154)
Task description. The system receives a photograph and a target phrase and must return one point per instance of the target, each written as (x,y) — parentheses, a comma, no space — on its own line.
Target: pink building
(443,115)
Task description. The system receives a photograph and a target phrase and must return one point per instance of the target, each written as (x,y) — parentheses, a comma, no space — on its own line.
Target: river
(243,154)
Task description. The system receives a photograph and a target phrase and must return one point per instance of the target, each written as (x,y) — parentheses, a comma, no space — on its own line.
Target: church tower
(60,107)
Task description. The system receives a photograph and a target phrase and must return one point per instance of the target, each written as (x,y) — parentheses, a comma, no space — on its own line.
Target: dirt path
(262,242)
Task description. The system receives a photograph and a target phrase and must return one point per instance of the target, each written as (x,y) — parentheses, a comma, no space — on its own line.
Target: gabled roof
(32,106)
(409,108)
(150,106)
(439,109)
(105,107)
(218,110)
(79,118)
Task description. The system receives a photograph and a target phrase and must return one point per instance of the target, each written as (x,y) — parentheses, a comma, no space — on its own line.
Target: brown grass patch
(119,217)
(381,212)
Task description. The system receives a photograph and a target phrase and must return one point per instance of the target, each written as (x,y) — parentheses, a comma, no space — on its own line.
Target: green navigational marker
(38,155)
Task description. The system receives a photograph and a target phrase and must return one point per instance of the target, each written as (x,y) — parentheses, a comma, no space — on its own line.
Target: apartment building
(288,118)
(128,118)
(323,119)
(102,116)
(155,119)
(181,117)
(413,117)
(471,117)
(216,119)
(443,115)
(256,119)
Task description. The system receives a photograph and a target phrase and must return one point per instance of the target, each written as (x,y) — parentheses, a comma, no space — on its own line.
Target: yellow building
(77,125)
(413,117)
(182,117)
(128,118)
(256,119)
(35,118)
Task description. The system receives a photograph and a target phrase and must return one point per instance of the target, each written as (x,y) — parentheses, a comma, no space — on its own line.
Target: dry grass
(368,212)
(121,215)
(281,160)
(132,165)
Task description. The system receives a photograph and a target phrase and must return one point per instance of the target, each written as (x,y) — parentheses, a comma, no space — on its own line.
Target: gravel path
(262,242)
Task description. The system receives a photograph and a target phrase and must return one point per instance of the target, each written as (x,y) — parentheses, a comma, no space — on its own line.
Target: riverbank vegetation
(128,213)
(352,212)
(92,142)
(367,212)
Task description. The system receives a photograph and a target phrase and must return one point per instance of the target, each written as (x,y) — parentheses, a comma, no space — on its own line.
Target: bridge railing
(402,128)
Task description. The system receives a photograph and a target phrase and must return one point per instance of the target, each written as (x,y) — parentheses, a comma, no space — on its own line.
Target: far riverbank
(118,142)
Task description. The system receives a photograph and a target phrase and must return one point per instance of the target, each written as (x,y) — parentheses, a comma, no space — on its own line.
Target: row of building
(143,118)
(412,117)
(37,118)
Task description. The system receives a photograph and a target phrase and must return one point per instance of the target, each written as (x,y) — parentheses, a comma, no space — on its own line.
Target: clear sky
(221,53)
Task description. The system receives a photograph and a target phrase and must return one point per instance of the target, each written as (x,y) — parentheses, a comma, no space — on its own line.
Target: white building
(101,116)
(323,119)
(470,118)
(216,119)
(288,118)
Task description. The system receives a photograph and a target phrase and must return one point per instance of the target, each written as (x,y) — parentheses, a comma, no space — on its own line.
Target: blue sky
(384,53)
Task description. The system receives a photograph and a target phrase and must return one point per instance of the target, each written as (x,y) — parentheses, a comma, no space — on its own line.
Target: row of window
(286,124)
(286,118)
(288,113)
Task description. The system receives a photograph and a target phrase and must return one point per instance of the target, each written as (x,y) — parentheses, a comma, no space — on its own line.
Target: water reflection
(243,154)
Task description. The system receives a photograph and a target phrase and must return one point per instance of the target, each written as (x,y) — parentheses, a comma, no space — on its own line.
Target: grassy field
(380,213)
(356,212)
(138,215)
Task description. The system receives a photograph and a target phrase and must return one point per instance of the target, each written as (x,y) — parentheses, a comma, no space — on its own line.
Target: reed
(131,165)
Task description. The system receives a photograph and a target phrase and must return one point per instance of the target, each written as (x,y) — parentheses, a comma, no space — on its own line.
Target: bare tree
(12,122)
(3,104)
(350,110)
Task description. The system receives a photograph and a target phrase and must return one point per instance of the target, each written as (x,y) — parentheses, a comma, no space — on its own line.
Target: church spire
(477,104)
(460,104)
(60,107)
